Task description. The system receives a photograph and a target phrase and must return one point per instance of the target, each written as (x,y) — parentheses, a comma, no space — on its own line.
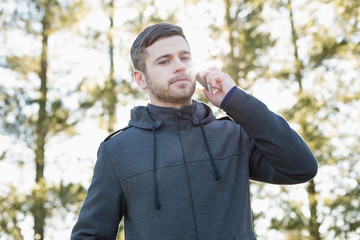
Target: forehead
(167,46)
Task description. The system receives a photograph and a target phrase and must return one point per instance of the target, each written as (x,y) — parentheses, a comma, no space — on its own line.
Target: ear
(140,80)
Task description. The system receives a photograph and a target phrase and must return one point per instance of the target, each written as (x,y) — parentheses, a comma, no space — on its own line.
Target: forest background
(66,83)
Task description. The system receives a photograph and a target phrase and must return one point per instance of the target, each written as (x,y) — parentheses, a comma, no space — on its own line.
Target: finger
(206,92)
(212,80)
(218,79)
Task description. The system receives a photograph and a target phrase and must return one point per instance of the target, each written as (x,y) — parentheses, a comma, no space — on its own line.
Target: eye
(163,62)
(185,58)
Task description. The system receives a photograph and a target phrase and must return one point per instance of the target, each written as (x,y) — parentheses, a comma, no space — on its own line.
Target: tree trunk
(314,225)
(229,22)
(39,191)
(111,82)
(298,63)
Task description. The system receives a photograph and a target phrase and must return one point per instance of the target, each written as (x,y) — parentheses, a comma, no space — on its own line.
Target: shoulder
(113,134)
(226,123)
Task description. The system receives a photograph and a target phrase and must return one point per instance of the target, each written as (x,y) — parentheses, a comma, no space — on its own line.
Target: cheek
(159,75)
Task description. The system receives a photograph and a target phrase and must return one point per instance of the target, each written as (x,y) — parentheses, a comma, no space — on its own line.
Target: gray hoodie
(182,174)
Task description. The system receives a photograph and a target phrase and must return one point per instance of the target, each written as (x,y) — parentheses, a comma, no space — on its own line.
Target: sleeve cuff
(227,97)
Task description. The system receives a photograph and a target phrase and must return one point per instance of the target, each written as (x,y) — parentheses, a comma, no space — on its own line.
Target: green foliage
(14,207)
(43,116)
(247,42)
(311,114)
(24,64)
(148,14)
(343,204)
(345,209)
(66,196)
(318,110)
(106,95)
(293,220)
(54,14)
(59,119)
(16,121)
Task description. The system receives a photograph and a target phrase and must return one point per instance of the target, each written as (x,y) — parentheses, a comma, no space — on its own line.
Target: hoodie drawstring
(156,185)
(217,173)
(156,199)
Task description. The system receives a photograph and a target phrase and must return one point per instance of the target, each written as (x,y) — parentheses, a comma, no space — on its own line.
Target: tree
(247,41)
(45,117)
(317,110)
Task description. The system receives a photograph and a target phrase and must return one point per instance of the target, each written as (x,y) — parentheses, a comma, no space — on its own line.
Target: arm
(279,154)
(104,206)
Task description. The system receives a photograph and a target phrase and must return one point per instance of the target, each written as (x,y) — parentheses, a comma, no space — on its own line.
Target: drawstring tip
(157,204)
(217,175)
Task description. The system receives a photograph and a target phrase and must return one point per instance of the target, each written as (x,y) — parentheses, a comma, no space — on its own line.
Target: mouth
(179,79)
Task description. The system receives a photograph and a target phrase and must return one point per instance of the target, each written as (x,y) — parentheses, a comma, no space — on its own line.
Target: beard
(171,93)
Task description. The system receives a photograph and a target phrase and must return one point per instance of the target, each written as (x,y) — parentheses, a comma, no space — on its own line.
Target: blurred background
(66,83)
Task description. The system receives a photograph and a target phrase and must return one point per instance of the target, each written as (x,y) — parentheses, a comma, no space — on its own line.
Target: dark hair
(147,37)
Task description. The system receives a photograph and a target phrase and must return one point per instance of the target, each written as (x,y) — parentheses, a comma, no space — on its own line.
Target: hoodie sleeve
(279,155)
(103,207)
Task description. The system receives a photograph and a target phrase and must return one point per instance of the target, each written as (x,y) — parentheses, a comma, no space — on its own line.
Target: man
(177,172)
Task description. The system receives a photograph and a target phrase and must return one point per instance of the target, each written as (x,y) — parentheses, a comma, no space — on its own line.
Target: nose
(179,66)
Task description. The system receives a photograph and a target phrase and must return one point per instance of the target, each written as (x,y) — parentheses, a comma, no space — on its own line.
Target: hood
(146,117)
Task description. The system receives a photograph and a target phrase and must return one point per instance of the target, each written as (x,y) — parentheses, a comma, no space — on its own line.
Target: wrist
(227,97)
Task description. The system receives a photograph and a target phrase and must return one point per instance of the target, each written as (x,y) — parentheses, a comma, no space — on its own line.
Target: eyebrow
(168,55)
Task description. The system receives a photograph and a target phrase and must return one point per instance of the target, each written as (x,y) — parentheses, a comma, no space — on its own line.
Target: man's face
(166,63)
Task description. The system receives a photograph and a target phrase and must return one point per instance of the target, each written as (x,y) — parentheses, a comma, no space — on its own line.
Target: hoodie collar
(152,115)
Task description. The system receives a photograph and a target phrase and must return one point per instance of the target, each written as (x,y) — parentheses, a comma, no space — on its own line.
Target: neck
(177,105)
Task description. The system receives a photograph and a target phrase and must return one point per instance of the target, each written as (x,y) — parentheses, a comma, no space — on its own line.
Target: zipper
(187,174)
